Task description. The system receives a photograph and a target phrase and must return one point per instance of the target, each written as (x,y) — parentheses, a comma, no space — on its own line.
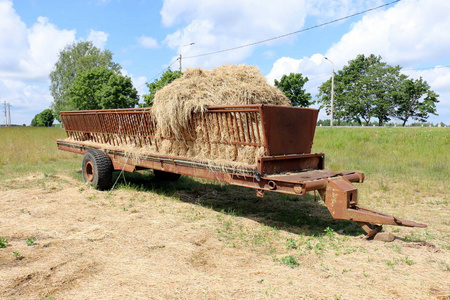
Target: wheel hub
(89,171)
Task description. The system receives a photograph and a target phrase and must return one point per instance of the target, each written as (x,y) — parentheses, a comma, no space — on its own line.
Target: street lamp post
(332,92)
(179,58)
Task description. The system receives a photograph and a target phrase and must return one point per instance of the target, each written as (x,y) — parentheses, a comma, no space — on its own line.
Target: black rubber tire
(166,176)
(97,169)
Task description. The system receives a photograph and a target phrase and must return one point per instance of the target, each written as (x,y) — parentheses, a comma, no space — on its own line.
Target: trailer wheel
(166,176)
(97,169)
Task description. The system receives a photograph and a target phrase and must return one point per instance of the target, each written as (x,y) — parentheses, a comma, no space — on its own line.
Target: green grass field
(407,153)
(32,149)
(392,153)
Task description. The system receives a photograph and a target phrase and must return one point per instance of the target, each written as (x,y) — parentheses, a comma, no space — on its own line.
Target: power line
(164,69)
(292,33)
(159,73)
(275,38)
(317,77)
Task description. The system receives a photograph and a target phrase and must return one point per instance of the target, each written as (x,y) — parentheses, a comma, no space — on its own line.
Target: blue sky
(147,35)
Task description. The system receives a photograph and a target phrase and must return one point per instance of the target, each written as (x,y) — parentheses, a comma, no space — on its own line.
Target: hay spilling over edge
(197,88)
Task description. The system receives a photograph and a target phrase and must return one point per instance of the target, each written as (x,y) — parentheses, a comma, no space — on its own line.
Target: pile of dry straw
(197,88)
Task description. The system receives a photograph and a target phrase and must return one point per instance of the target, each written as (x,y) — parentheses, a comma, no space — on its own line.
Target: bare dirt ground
(130,244)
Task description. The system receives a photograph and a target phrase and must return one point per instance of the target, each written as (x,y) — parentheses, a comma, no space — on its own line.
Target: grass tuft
(30,241)
(3,242)
(290,261)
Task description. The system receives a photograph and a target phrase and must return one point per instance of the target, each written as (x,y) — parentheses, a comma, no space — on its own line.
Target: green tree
(73,60)
(167,77)
(102,88)
(44,118)
(293,87)
(386,81)
(364,89)
(415,100)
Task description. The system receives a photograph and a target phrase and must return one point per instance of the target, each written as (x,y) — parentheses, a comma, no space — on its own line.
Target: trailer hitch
(341,199)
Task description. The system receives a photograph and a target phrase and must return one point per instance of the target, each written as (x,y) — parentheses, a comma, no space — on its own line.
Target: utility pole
(4,111)
(7,114)
(179,58)
(332,92)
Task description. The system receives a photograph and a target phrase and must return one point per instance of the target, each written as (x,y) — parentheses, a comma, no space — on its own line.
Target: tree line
(85,77)
(366,89)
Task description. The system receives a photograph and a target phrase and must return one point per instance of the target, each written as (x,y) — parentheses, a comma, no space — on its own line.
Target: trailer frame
(288,167)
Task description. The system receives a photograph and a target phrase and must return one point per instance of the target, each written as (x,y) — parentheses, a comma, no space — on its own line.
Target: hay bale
(198,88)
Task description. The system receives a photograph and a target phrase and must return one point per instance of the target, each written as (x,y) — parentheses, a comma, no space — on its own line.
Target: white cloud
(175,12)
(29,54)
(98,38)
(27,57)
(411,31)
(222,24)
(13,39)
(45,43)
(26,100)
(438,77)
(282,66)
(316,68)
(313,67)
(147,42)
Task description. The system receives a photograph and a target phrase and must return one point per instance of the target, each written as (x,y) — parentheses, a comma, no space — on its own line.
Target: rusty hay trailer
(111,139)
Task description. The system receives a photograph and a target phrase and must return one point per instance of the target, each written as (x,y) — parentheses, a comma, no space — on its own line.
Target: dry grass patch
(198,239)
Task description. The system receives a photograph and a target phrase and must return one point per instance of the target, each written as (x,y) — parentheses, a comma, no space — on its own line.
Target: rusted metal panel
(289,130)
(290,163)
(340,195)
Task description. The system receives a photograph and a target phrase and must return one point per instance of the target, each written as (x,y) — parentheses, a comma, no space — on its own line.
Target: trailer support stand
(370,229)
(341,199)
